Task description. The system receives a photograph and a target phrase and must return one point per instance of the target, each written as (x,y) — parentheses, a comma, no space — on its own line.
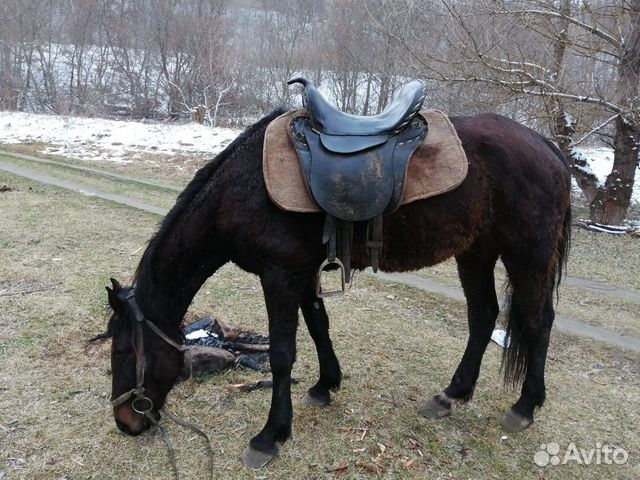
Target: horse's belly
(424,234)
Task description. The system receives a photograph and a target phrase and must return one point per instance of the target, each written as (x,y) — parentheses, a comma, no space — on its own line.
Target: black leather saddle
(355,167)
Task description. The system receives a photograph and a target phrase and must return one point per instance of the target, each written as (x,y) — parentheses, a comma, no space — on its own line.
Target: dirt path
(49,180)
(595,286)
(565,324)
(95,171)
(602,288)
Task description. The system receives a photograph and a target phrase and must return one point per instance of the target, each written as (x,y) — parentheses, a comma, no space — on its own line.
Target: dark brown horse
(514,205)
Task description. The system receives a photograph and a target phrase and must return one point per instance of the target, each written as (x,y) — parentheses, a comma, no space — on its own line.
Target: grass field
(397,346)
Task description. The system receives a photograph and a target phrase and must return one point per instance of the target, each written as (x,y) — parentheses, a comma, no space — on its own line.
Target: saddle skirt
(437,166)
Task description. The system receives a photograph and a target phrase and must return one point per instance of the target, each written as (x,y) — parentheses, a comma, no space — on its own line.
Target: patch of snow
(569,120)
(111,140)
(599,162)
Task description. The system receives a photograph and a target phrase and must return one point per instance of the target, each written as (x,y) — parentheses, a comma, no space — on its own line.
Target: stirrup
(334,293)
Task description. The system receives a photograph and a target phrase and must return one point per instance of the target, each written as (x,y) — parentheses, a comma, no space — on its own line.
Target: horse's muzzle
(128,421)
(124,428)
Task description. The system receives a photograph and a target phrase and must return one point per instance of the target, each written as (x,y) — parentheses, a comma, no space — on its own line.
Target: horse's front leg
(317,322)
(282,296)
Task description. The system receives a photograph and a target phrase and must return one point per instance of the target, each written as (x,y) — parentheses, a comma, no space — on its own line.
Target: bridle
(140,400)
(143,404)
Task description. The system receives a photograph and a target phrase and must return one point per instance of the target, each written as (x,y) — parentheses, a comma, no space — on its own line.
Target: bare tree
(570,68)
(575,65)
(10,55)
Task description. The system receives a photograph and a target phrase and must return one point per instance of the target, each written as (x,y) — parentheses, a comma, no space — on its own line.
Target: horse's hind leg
(282,295)
(317,322)
(530,319)
(475,270)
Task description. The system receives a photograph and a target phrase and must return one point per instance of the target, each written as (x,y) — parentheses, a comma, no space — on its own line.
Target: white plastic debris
(500,337)
(197,334)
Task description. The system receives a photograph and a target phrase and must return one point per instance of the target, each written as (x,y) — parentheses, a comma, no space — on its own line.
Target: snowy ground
(123,141)
(600,163)
(111,140)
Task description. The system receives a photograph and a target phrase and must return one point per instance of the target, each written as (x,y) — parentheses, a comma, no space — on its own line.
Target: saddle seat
(362,132)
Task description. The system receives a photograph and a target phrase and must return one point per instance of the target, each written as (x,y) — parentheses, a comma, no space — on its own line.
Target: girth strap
(374,241)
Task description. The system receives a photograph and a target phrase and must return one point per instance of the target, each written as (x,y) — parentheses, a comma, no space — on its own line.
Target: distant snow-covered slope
(111,140)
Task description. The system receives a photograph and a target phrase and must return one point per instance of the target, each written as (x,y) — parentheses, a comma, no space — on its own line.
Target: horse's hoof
(255,458)
(309,401)
(438,407)
(513,422)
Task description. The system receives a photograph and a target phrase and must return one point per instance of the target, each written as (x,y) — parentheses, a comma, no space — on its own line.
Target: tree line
(568,69)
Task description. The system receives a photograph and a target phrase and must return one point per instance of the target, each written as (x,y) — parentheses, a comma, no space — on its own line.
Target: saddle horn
(300,80)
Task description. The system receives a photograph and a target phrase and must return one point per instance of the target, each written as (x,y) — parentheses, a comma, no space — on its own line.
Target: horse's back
(507,149)
(530,181)
(516,190)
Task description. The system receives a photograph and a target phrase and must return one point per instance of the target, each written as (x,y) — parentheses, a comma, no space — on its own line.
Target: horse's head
(144,365)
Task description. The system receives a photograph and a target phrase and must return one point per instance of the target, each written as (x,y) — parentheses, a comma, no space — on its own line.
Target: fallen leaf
(373,468)
(341,466)
(407,463)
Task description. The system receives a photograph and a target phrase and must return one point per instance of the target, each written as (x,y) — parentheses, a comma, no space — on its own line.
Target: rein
(143,404)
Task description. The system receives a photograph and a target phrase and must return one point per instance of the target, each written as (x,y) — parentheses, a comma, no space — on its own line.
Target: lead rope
(198,432)
(167,442)
(165,436)
(138,391)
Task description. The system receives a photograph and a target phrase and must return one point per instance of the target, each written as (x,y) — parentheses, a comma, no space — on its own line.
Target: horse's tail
(515,357)
(564,245)
(564,242)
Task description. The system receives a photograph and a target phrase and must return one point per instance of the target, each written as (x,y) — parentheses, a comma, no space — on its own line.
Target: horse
(514,205)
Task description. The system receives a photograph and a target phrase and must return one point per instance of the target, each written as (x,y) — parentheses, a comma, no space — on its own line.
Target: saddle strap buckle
(333,293)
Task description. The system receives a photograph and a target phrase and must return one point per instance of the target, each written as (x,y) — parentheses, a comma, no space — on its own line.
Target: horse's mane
(198,182)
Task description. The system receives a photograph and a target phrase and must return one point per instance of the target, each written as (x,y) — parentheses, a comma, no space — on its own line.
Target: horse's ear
(116,285)
(115,301)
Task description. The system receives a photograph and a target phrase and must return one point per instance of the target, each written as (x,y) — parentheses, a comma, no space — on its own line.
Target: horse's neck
(171,277)
(161,298)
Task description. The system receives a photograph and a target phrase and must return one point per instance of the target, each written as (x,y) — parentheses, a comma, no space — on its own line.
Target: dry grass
(613,260)
(397,346)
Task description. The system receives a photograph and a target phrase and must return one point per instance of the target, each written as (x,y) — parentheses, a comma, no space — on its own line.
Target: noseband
(141,403)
